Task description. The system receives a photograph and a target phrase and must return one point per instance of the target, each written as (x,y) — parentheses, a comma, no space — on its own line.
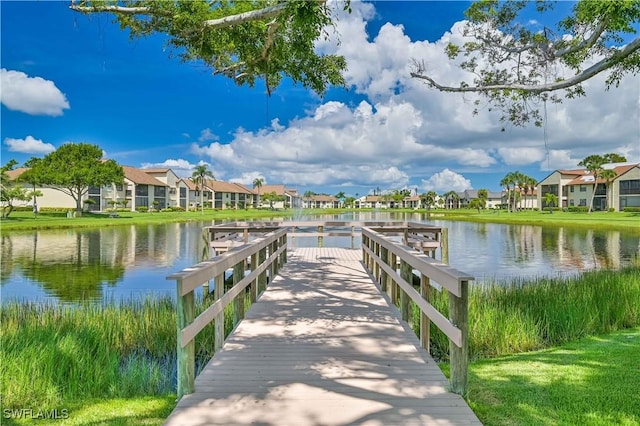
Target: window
(629,187)
(142,190)
(118,187)
(159,191)
(583,188)
(571,203)
(172,191)
(183,192)
(549,188)
(583,202)
(572,188)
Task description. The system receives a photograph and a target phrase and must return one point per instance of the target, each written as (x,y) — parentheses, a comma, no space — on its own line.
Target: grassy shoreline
(25,221)
(120,358)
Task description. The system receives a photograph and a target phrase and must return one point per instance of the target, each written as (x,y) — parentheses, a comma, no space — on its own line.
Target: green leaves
(516,65)
(243,40)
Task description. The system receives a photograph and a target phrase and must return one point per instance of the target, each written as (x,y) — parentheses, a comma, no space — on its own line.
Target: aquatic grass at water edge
(525,315)
(54,353)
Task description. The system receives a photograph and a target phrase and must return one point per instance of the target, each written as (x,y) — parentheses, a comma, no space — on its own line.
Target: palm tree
(519,180)
(550,199)
(530,185)
(257,183)
(608,175)
(506,181)
(341,196)
(200,173)
(428,199)
(483,195)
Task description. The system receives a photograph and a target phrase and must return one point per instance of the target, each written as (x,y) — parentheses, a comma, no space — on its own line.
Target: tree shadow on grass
(590,382)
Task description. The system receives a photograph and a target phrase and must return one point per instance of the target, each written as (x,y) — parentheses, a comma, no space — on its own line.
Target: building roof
(154,171)
(15,173)
(372,198)
(278,189)
(587,178)
(139,177)
(323,198)
(230,187)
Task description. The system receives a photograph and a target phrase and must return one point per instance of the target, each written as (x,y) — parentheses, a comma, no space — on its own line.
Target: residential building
(575,188)
(230,195)
(372,202)
(321,202)
(291,197)
(494,199)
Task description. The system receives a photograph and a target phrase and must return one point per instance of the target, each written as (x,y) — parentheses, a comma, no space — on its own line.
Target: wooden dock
(322,346)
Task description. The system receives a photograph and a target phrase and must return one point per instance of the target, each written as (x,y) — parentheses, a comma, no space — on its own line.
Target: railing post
(444,245)
(185,355)
(218,324)
(365,255)
(407,274)
(253,288)
(376,265)
(272,265)
(283,255)
(393,288)
(238,302)
(384,253)
(262,278)
(459,313)
(425,322)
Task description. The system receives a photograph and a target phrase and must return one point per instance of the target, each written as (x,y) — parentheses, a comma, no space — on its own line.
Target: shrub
(143,209)
(578,209)
(632,209)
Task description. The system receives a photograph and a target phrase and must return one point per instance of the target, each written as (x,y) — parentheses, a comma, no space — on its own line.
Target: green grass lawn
(24,220)
(590,382)
(594,381)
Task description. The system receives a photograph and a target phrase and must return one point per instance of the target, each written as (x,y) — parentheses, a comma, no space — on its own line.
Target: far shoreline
(25,221)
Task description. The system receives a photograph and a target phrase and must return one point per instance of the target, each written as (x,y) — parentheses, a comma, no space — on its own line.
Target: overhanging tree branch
(602,65)
(226,21)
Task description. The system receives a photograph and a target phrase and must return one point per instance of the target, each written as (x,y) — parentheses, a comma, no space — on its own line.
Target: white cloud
(207,135)
(180,167)
(31,95)
(446,181)
(28,145)
(403,132)
(518,156)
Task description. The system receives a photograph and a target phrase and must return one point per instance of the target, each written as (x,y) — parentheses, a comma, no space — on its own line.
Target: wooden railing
(390,262)
(392,266)
(425,238)
(266,254)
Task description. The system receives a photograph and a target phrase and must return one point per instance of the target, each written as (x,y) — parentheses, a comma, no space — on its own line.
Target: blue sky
(68,77)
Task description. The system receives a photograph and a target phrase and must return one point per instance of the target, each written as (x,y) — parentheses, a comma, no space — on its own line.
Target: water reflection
(131,261)
(110,263)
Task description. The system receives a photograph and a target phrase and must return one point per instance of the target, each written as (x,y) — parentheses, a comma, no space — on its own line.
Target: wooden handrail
(191,278)
(381,255)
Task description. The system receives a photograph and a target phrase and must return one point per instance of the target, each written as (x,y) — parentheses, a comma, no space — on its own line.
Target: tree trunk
(593,196)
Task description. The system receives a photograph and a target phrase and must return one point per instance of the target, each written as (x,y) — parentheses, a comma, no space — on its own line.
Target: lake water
(122,262)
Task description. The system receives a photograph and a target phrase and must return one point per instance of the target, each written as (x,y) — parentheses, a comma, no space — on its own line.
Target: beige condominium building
(575,188)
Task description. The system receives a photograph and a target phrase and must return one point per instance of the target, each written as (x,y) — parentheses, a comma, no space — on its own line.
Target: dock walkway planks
(322,347)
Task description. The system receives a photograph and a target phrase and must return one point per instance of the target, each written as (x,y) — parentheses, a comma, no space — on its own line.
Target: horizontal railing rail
(266,254)
(392,265)
(422,237)
(263,245)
